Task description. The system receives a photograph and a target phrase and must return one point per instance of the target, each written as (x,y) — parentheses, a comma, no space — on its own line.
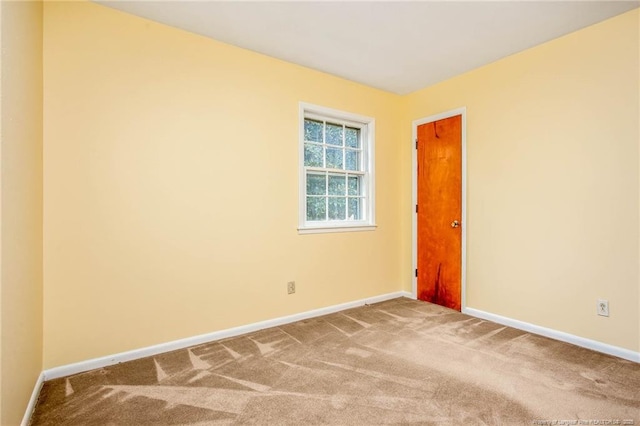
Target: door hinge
(416,208)
(416,143)
(416,272)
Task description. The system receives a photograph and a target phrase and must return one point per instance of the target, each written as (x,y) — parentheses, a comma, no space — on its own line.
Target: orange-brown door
(439,224)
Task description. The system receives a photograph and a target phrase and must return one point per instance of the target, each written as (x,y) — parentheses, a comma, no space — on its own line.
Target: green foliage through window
(335,177)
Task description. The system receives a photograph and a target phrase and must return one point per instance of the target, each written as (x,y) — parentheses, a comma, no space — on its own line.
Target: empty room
(335,213)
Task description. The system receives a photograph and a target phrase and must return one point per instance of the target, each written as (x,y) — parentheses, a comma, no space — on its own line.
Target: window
(336,171)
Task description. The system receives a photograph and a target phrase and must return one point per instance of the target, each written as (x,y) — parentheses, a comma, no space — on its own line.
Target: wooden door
(439,212)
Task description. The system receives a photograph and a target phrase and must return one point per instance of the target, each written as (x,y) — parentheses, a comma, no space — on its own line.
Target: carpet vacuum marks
(397,362)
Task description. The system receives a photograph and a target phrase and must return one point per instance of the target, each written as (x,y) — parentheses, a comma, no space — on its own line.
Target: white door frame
(414,197)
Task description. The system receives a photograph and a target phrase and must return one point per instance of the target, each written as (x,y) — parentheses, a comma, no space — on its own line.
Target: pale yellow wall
(552,181)
(171,187)
(21,206)
(1,345)
(170,199)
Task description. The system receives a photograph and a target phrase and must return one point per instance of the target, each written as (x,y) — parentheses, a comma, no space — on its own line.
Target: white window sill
(334,228)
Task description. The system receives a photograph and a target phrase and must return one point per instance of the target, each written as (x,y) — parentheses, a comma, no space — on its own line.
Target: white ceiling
(395,46)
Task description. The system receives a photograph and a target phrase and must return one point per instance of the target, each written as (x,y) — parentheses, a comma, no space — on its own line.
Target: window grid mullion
(344,155)
(348,148)
(324,143)
(346,193)
(321,170)
(326,196)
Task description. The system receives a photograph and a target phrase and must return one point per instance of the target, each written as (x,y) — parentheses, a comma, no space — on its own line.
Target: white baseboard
(92,364)
(33,400)
(557,335)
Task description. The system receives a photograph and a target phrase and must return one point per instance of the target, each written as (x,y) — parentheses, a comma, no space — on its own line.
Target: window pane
(312,130)
(354,185)
(312,155)
(352,160)
(335,161)
(316,184)
(316,208)
(352,137)
(337,185)
(334,134)
(354,209)
(334,158)
(337,208)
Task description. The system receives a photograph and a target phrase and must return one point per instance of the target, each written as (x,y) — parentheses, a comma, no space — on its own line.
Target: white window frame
(367,132)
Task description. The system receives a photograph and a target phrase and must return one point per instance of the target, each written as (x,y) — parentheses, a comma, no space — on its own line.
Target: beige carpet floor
(396,362)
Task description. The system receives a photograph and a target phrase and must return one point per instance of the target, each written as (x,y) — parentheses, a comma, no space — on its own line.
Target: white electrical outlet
(291,287)
(603,307)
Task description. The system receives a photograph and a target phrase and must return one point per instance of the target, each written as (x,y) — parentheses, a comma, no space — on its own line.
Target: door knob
(455,224)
